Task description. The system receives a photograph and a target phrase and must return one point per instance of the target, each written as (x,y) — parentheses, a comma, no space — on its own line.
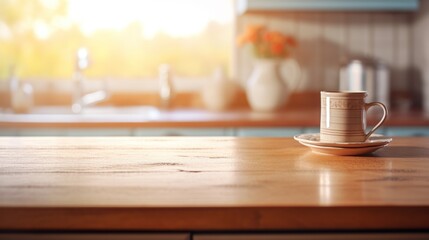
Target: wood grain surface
(173,183)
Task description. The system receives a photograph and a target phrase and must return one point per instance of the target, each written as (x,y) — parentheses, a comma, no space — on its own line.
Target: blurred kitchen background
(165,67)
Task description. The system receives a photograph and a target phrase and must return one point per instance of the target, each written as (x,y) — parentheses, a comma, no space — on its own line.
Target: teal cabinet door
(268,132)
(8,132)
(209,132)
(97,132)
(407,131)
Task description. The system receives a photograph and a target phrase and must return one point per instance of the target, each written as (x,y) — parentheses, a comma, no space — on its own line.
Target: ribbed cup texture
(342,117)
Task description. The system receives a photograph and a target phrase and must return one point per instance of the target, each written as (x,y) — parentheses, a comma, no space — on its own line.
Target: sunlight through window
(125,38)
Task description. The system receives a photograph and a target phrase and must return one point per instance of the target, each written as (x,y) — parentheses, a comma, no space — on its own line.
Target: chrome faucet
(166,88)
(80,99)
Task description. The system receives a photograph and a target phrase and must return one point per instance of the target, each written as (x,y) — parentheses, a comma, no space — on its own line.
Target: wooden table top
(219,183)
(193,118)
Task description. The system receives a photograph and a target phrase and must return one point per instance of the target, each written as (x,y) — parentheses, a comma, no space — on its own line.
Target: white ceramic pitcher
(266,89)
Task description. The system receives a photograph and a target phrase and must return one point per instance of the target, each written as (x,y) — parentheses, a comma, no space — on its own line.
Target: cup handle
(372,104)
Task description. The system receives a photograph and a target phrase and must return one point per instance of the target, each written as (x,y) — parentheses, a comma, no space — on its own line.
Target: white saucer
(343,151)
(313,139)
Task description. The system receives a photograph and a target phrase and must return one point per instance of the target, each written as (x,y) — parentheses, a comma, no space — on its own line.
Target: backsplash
(326,38)
(421,52)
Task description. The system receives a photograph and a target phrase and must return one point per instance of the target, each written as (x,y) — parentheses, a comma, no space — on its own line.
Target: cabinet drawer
(316,236)
(94,236)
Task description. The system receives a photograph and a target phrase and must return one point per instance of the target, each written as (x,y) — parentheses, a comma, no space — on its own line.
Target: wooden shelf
(196,118)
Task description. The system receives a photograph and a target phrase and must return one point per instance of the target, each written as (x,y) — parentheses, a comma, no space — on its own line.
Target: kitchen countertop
(196,118)
(218,183)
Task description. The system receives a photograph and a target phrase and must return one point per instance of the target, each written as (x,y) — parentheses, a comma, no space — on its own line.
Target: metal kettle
(372,76)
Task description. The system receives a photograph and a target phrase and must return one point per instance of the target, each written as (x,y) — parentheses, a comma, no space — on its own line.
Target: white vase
(266,90)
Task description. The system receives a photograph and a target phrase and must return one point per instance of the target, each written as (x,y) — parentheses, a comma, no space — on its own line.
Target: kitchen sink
(103,110)
(95,112)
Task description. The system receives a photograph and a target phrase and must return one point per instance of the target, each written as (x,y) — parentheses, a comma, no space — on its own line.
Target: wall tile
(309,52)
(333,48)
(420,55)
(402,53)
(358,33)
(326,38)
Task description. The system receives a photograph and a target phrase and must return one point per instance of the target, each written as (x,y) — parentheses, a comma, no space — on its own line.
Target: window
(126,39)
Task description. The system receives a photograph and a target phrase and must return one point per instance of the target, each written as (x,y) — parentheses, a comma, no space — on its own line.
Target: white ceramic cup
(343,116)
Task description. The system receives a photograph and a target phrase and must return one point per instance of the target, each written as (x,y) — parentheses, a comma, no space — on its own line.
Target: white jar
(22,98)
(218,93)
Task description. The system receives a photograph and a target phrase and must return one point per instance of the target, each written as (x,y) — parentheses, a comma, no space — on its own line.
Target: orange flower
(291,41)
(254,32)
(277,48)
(267,37)
(267,44)
(250,35)
(275,37)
